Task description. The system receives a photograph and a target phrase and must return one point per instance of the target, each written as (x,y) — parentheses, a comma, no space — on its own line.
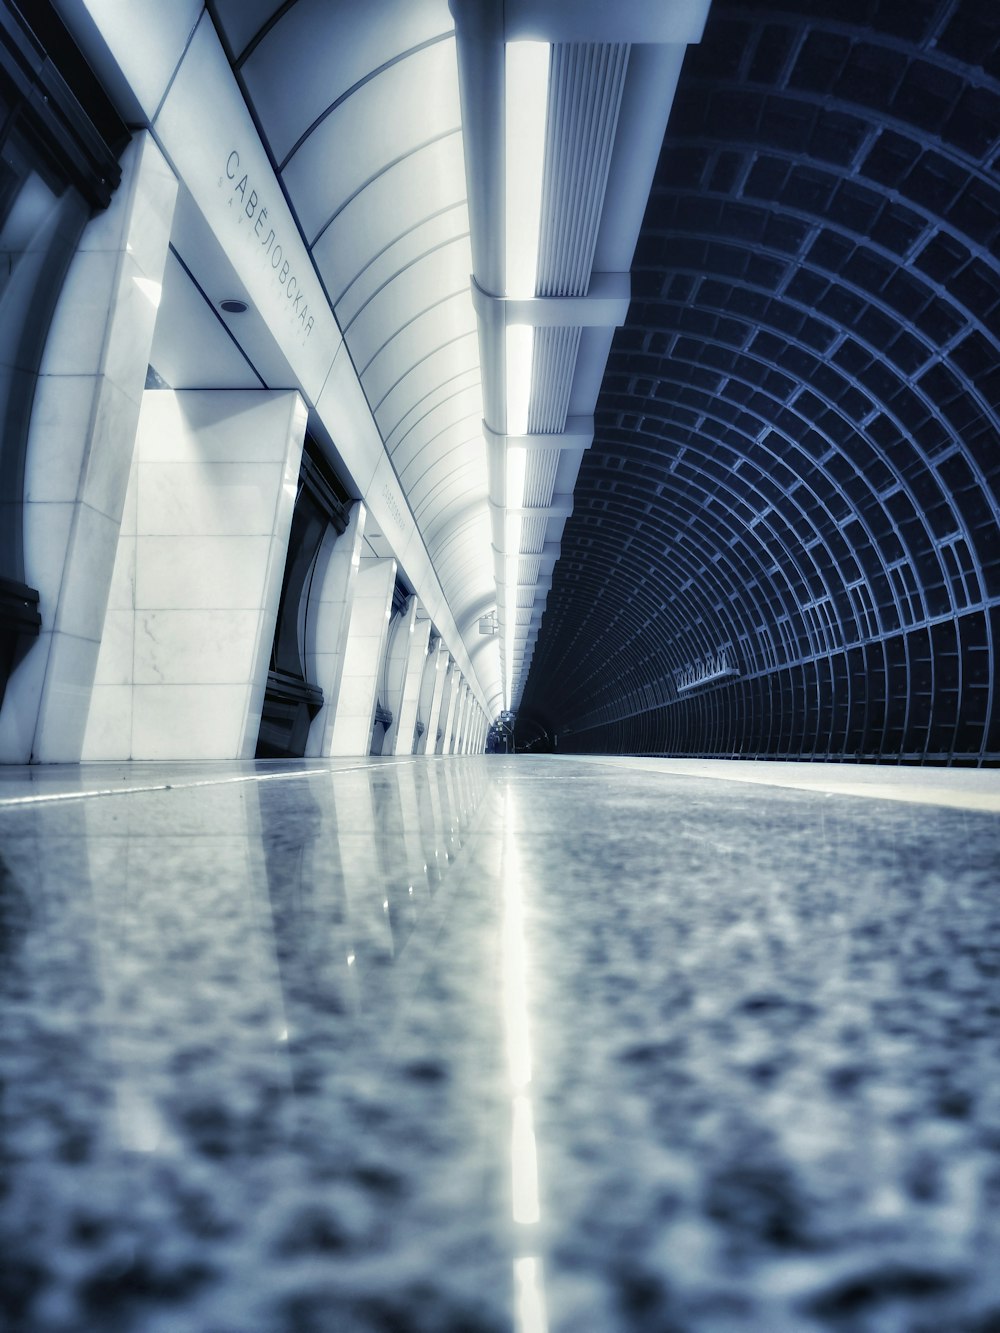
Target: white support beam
(605,306)
(646,21)
(578,434)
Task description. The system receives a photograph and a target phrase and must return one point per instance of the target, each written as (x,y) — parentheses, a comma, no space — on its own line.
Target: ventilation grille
(533,534)
(553,364)
(540,477)
(585,93)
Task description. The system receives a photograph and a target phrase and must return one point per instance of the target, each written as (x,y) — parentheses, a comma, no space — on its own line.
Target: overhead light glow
(519,349)
(526,95)
(516,463)
(517,466)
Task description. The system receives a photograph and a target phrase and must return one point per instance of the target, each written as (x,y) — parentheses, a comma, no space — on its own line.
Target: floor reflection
(223,1059)
(495,1044)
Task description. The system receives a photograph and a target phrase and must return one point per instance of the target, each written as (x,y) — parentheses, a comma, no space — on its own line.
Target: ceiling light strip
(526,74)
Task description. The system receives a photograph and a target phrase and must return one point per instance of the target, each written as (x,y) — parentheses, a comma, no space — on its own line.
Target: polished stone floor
(499,1043)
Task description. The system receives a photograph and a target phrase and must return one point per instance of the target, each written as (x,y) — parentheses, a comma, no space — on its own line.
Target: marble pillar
(80,449)
(364,650)
(187,637)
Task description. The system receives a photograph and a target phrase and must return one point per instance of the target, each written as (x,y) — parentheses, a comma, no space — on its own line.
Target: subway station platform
(491,1043)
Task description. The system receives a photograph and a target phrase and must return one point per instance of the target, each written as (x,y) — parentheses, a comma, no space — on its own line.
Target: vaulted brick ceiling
(794,485)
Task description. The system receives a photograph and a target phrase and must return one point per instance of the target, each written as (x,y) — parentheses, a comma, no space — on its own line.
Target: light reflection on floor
(493,1043)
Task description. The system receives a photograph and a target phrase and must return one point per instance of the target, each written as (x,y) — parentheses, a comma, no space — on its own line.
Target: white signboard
(214,147)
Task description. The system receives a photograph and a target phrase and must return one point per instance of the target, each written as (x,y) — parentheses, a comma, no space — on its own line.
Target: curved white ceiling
(359,107)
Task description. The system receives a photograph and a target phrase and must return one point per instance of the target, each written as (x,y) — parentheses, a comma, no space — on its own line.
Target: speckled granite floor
(489,1044)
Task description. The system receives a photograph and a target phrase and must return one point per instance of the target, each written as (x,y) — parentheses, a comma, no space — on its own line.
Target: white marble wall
(80,448)
(404,707)
(328,622)
(190,623)
(371,607)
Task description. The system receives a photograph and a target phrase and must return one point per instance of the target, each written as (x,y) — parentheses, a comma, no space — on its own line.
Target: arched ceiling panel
(355,41)
(440,366)
(448,398)
(446,485)
(464,434)
(405,106)
(405,350)
(359,106)
(245,21)
(460,411)
(415,292)
(405,194)
(786,537)
(424,238)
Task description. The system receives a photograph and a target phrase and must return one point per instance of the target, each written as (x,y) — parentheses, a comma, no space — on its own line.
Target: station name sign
(251,207)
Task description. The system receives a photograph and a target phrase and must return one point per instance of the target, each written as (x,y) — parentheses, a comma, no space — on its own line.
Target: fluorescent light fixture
(526,98)
(511,563)
(516,463)
(509,664)
(519,349)
(517,466)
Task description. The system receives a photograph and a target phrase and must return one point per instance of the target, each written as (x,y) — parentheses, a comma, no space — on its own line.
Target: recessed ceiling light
(233,307)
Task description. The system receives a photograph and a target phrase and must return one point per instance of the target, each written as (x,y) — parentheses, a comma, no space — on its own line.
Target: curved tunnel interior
(785,538)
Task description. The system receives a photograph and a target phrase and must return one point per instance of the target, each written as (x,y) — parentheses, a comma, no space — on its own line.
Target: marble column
(460,716)
(187,637)
(454,712)
(363,653)
(399,691)
(80,448)
(328,622)
(448,701)
(400,739)
(436,670)
(470,730)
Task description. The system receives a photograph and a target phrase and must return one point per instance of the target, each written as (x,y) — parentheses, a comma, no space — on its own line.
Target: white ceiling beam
(605,305)
(579,435)
(598,21)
